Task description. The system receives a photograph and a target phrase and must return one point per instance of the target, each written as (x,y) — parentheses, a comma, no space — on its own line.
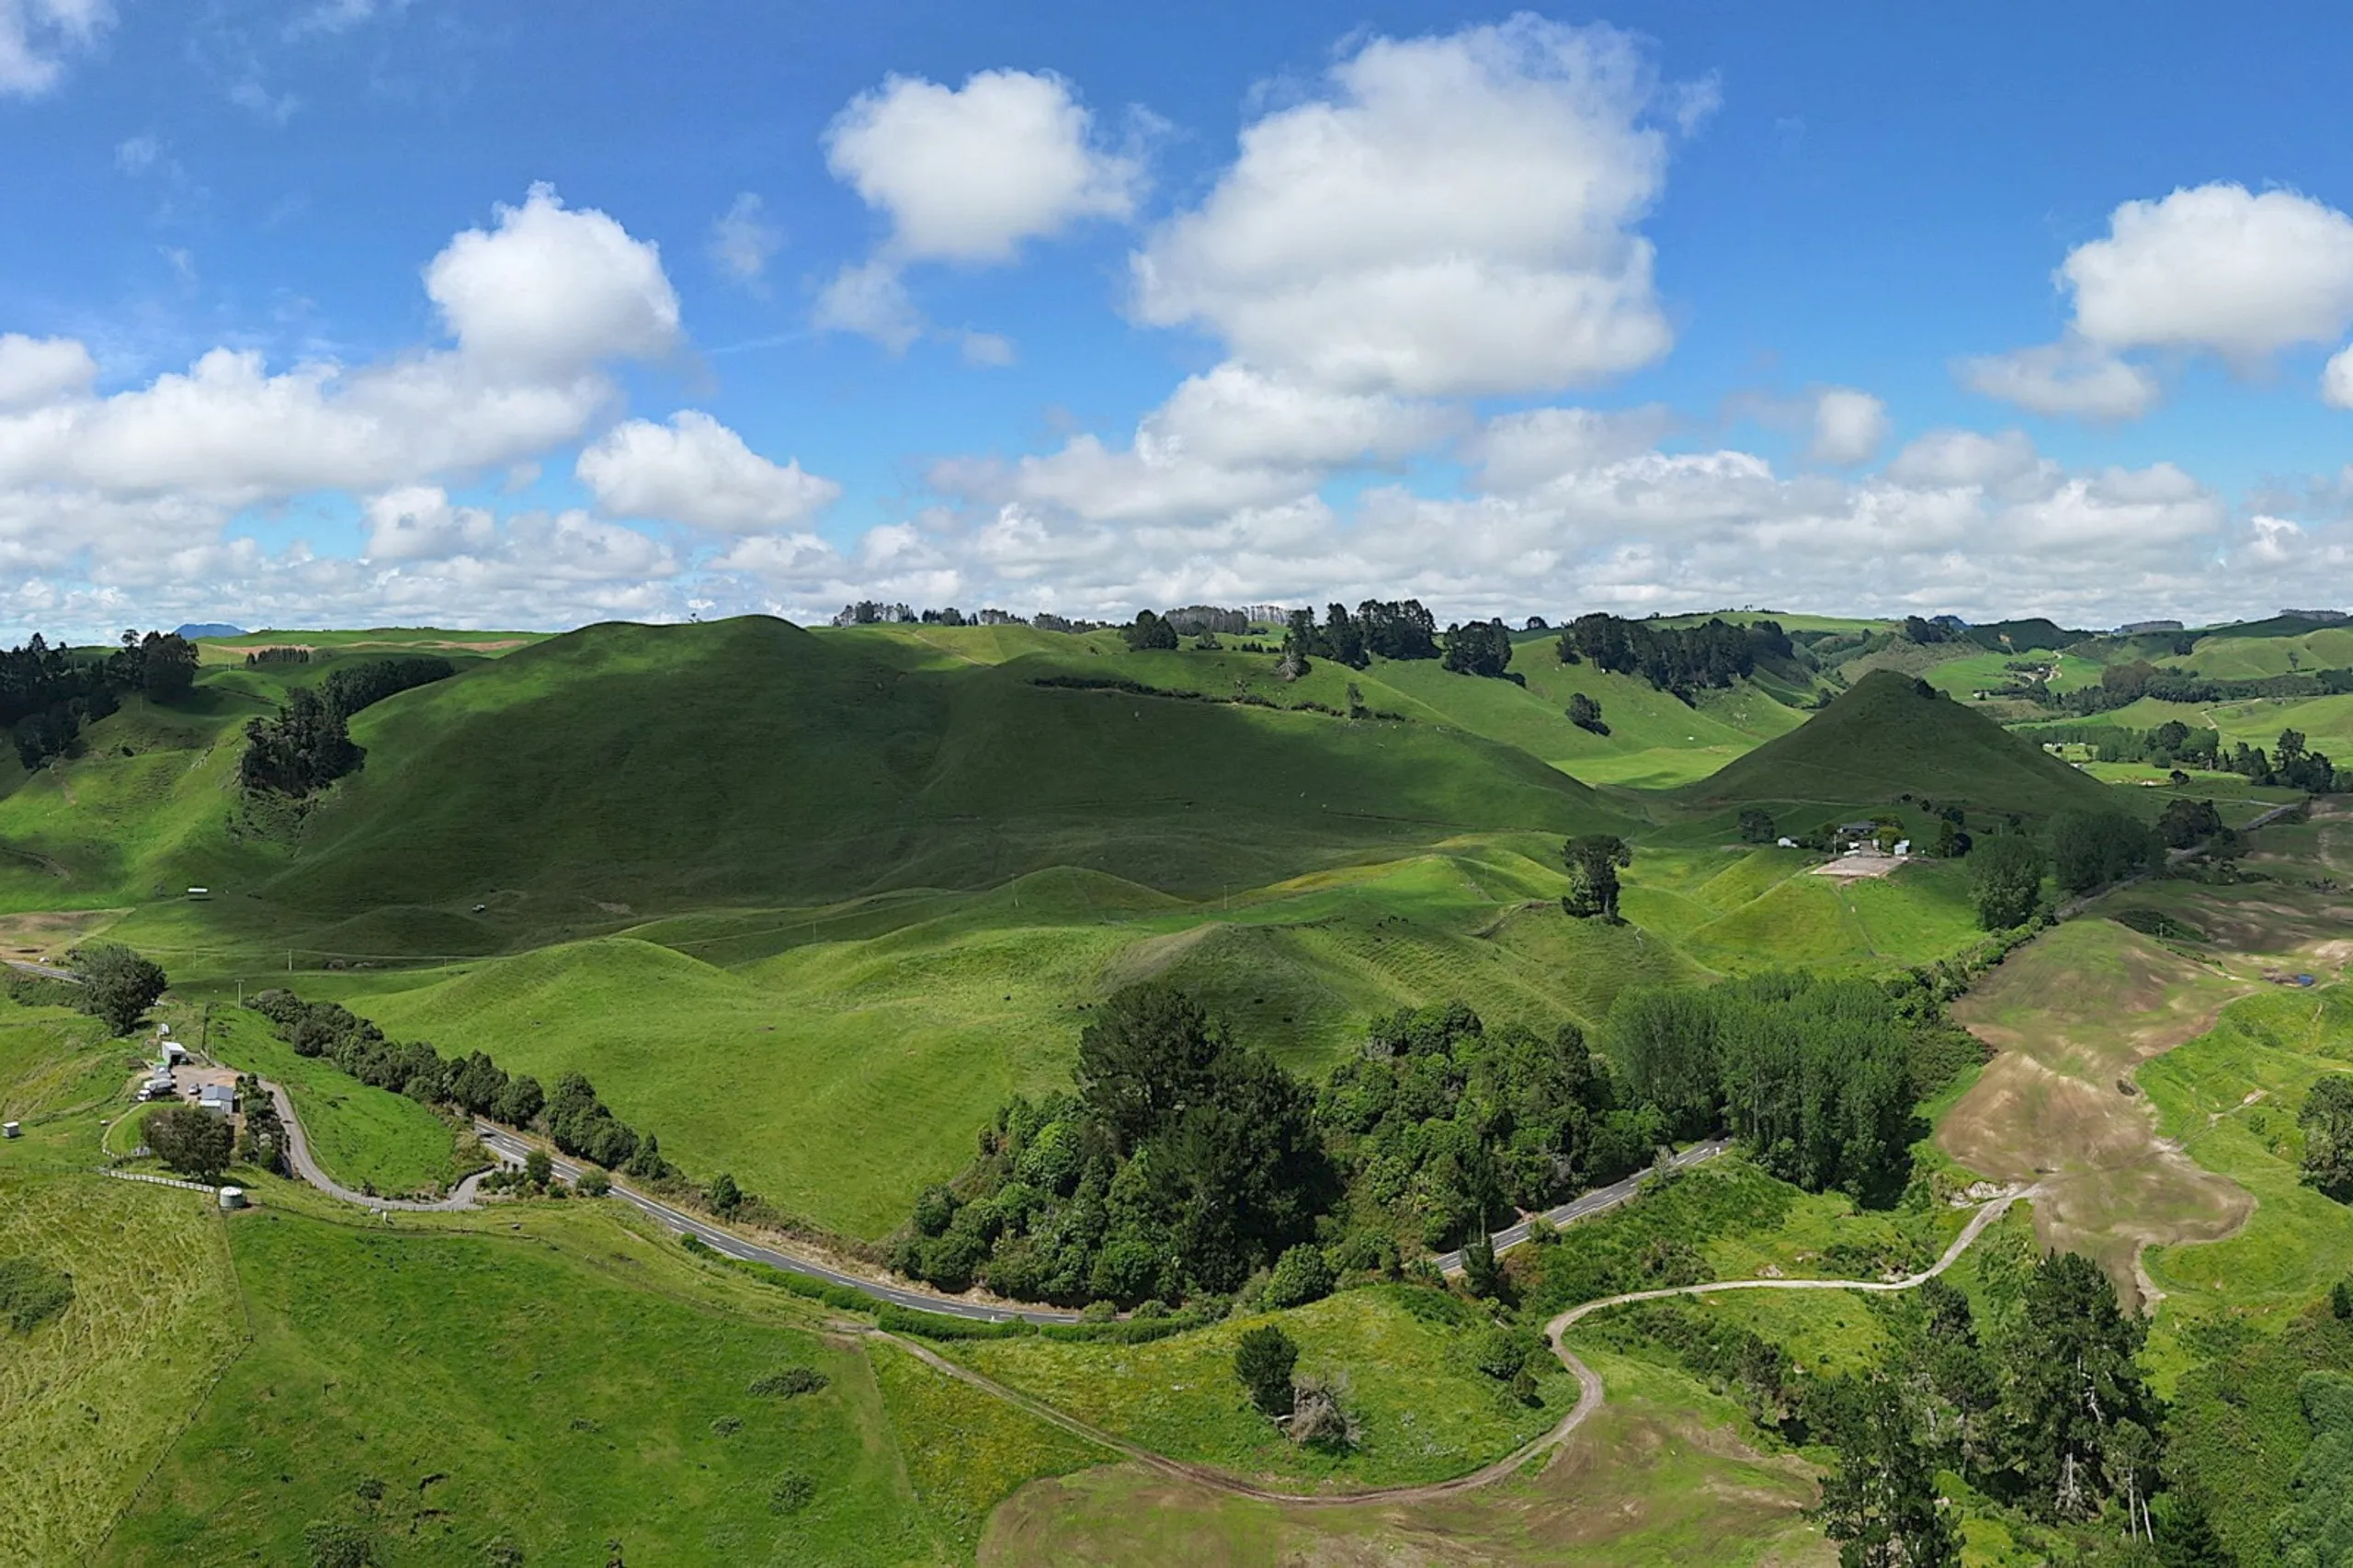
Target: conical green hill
(1892,735)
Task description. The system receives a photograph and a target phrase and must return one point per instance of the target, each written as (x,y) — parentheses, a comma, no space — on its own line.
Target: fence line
(159,1181)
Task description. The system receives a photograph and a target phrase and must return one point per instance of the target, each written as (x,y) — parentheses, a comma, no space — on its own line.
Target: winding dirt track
(1590,1393)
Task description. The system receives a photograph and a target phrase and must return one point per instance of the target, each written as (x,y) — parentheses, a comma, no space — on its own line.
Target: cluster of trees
(1391,629)
(1593,860)
(264,1143)
(875,612)
(47,692)
(116,984)
(308,745)
(1815,1076)
(1183,1164)
(1447,1128)
(305,748)
(575,1118)
(2090,850)
(2051,1410)
(2184,823)
(2326,1120)
(1149,630)
(2006,878)
(1586,714)
(195,1142)
(1479,648)
(347,689)
(1679,660)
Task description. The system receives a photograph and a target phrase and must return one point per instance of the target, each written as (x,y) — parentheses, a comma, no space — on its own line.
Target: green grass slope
(671,768)
(1887,737)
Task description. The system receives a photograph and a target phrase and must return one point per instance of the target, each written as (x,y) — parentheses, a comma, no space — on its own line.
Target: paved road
(512,1150)
(1594,1202)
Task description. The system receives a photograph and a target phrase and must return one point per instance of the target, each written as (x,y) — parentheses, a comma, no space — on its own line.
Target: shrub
(1319,1419)
(594,1183)
(789,1384)
(1301,1275)
(30,1295)
(337,1545)
(791,1492)
(1263,1359)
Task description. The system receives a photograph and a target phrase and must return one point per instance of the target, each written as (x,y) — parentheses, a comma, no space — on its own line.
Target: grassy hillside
(661,768)
(1889,736)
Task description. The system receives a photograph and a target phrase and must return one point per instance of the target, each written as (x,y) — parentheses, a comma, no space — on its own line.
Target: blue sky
(333,311)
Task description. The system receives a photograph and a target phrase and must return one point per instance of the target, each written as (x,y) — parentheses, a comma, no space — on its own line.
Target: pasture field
(1661,1476)
(585,1385)
(90,1401)
(370,1140)
(1400,1351)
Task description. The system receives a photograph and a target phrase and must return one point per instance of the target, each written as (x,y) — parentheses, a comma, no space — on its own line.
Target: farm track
(1590,1393)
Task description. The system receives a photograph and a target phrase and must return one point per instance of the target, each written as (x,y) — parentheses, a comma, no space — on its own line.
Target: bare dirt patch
(47,934)
(1846,868)
(2074,1014)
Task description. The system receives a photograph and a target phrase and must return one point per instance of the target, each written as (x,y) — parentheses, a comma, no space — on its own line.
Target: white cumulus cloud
(552,289)
(2336,380)
(698,471)
(36,371)
(2067,378)
(37,36)
(1454,215)
(1848,427)
(742,240)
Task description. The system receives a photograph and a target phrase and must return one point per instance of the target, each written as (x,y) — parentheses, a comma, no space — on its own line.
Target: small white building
(1786,843)
(219,1098)
(10,1130)
(1903,848)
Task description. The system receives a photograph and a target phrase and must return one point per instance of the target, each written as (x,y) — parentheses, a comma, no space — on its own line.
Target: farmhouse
(219,1098)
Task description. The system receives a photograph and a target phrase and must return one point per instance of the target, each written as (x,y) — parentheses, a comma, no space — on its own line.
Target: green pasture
(1400,1351)
(370,1140)
(1662,1475)
(563,1385)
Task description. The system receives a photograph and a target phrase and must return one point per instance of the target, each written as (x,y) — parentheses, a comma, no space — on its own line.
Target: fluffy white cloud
(553,289)
(36,371)
(964,174)
(1848,427)
(967,174)
(741,241)
(1520,452)
(35,37)
(2216,267)
(1231,437)
(1947,459)
(535,305)
(2336,380)
(417,522)
(1454,216)
(2067,378)
(697,472)
(871,301)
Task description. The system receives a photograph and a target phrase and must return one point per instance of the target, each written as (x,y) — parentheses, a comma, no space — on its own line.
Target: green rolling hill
(1890,735)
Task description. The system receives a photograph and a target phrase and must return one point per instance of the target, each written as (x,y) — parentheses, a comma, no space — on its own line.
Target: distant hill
(1892,735)
(661,766)
(195,628)
(2024,636)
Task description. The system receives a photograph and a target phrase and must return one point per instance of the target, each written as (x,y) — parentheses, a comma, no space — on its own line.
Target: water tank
(233,1198)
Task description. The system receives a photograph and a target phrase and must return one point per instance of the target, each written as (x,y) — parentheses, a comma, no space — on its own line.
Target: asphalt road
(1590,1203)
(512,1150)
(46,970)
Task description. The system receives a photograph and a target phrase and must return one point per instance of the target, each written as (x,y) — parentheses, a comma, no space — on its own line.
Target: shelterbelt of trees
(1186,1163)
(47,692)
(308,745)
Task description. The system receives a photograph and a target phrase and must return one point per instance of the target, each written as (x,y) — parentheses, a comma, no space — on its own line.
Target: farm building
(221,1099)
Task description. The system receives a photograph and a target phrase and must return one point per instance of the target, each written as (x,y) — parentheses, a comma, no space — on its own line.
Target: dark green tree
(2184,822)
(1880,1506)
(1756,827)
(1299,642)
(1149,1055)
(118,985)
(1593,860)
(2074,1381)
(1264,1359)
(1478,648)
(725,1197)
(305,748)
(2090,850)
(1301,1275)
(537,1168)
(2326,1120)
(1586,714)
(2006,874)
(197,1143)
(2186,1537)
(1343,638)
(1482,1275)
(1149,630)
